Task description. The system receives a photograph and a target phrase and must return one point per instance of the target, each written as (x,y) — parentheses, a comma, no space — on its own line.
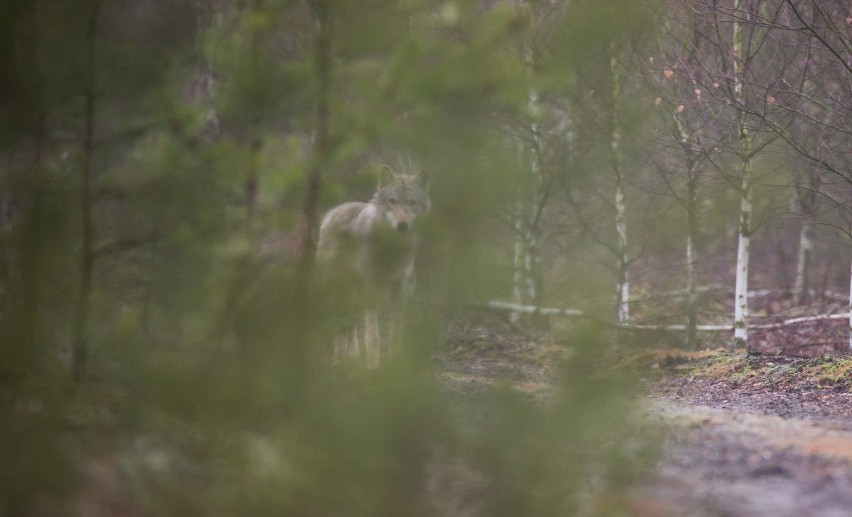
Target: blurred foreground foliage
(210,389)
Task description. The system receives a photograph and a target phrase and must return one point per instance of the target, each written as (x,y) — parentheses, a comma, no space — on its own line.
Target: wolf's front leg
(372,339)
(346,345)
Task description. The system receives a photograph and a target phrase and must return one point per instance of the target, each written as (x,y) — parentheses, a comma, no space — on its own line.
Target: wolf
(368,249)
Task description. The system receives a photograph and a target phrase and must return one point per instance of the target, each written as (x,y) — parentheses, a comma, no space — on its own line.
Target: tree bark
(743,244)
(691,207)
(801,286)
(322,69)
(692,294)
(806,198)
(527,279)
(302,311)
(622,288)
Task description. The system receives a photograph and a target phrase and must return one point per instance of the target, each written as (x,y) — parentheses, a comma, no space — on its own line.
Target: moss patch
(739,368)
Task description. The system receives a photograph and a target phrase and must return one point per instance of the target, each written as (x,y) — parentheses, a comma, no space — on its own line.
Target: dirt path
(735,463)
(751,435)
(743,435)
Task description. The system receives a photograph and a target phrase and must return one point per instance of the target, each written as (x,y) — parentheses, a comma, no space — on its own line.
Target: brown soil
(751,435)
(744,435)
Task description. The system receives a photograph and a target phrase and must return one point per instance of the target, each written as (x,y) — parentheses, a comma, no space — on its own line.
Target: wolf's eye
(392,200)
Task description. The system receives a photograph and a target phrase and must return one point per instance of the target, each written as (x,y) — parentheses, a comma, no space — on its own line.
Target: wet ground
(752,435)
(744,434)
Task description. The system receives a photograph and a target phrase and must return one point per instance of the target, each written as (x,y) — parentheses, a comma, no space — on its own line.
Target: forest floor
(743,434)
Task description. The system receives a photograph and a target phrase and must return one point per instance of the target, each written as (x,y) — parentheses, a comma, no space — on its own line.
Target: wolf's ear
(386,175)
(422,177)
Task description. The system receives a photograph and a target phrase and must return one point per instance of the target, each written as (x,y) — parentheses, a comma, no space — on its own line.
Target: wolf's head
(402,197)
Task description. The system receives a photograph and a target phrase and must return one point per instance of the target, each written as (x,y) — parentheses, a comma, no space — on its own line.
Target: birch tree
(605,107)
(529,204)
(690,123)
(729,76)
(537,135)
(812,111)
(806,202)
(821,114)
(739,62)
(735,69)
(622,287)
(686,161)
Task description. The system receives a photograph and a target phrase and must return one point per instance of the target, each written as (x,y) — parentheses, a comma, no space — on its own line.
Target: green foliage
(213,361)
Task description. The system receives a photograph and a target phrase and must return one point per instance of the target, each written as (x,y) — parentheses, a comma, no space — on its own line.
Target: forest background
(164,165)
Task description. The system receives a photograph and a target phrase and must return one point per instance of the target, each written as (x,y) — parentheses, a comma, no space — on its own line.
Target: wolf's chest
(386,250)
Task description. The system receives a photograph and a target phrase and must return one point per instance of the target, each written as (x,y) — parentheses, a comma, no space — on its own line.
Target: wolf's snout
(402,226)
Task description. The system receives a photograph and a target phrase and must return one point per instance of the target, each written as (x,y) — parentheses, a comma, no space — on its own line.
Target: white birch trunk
(526,288)
(690,269)
(800,288)
(850,310)
(531,264)
(527,246)
(692,294)
(691,233)
(518,273)
(741,287)
(622,281)
(532,259)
